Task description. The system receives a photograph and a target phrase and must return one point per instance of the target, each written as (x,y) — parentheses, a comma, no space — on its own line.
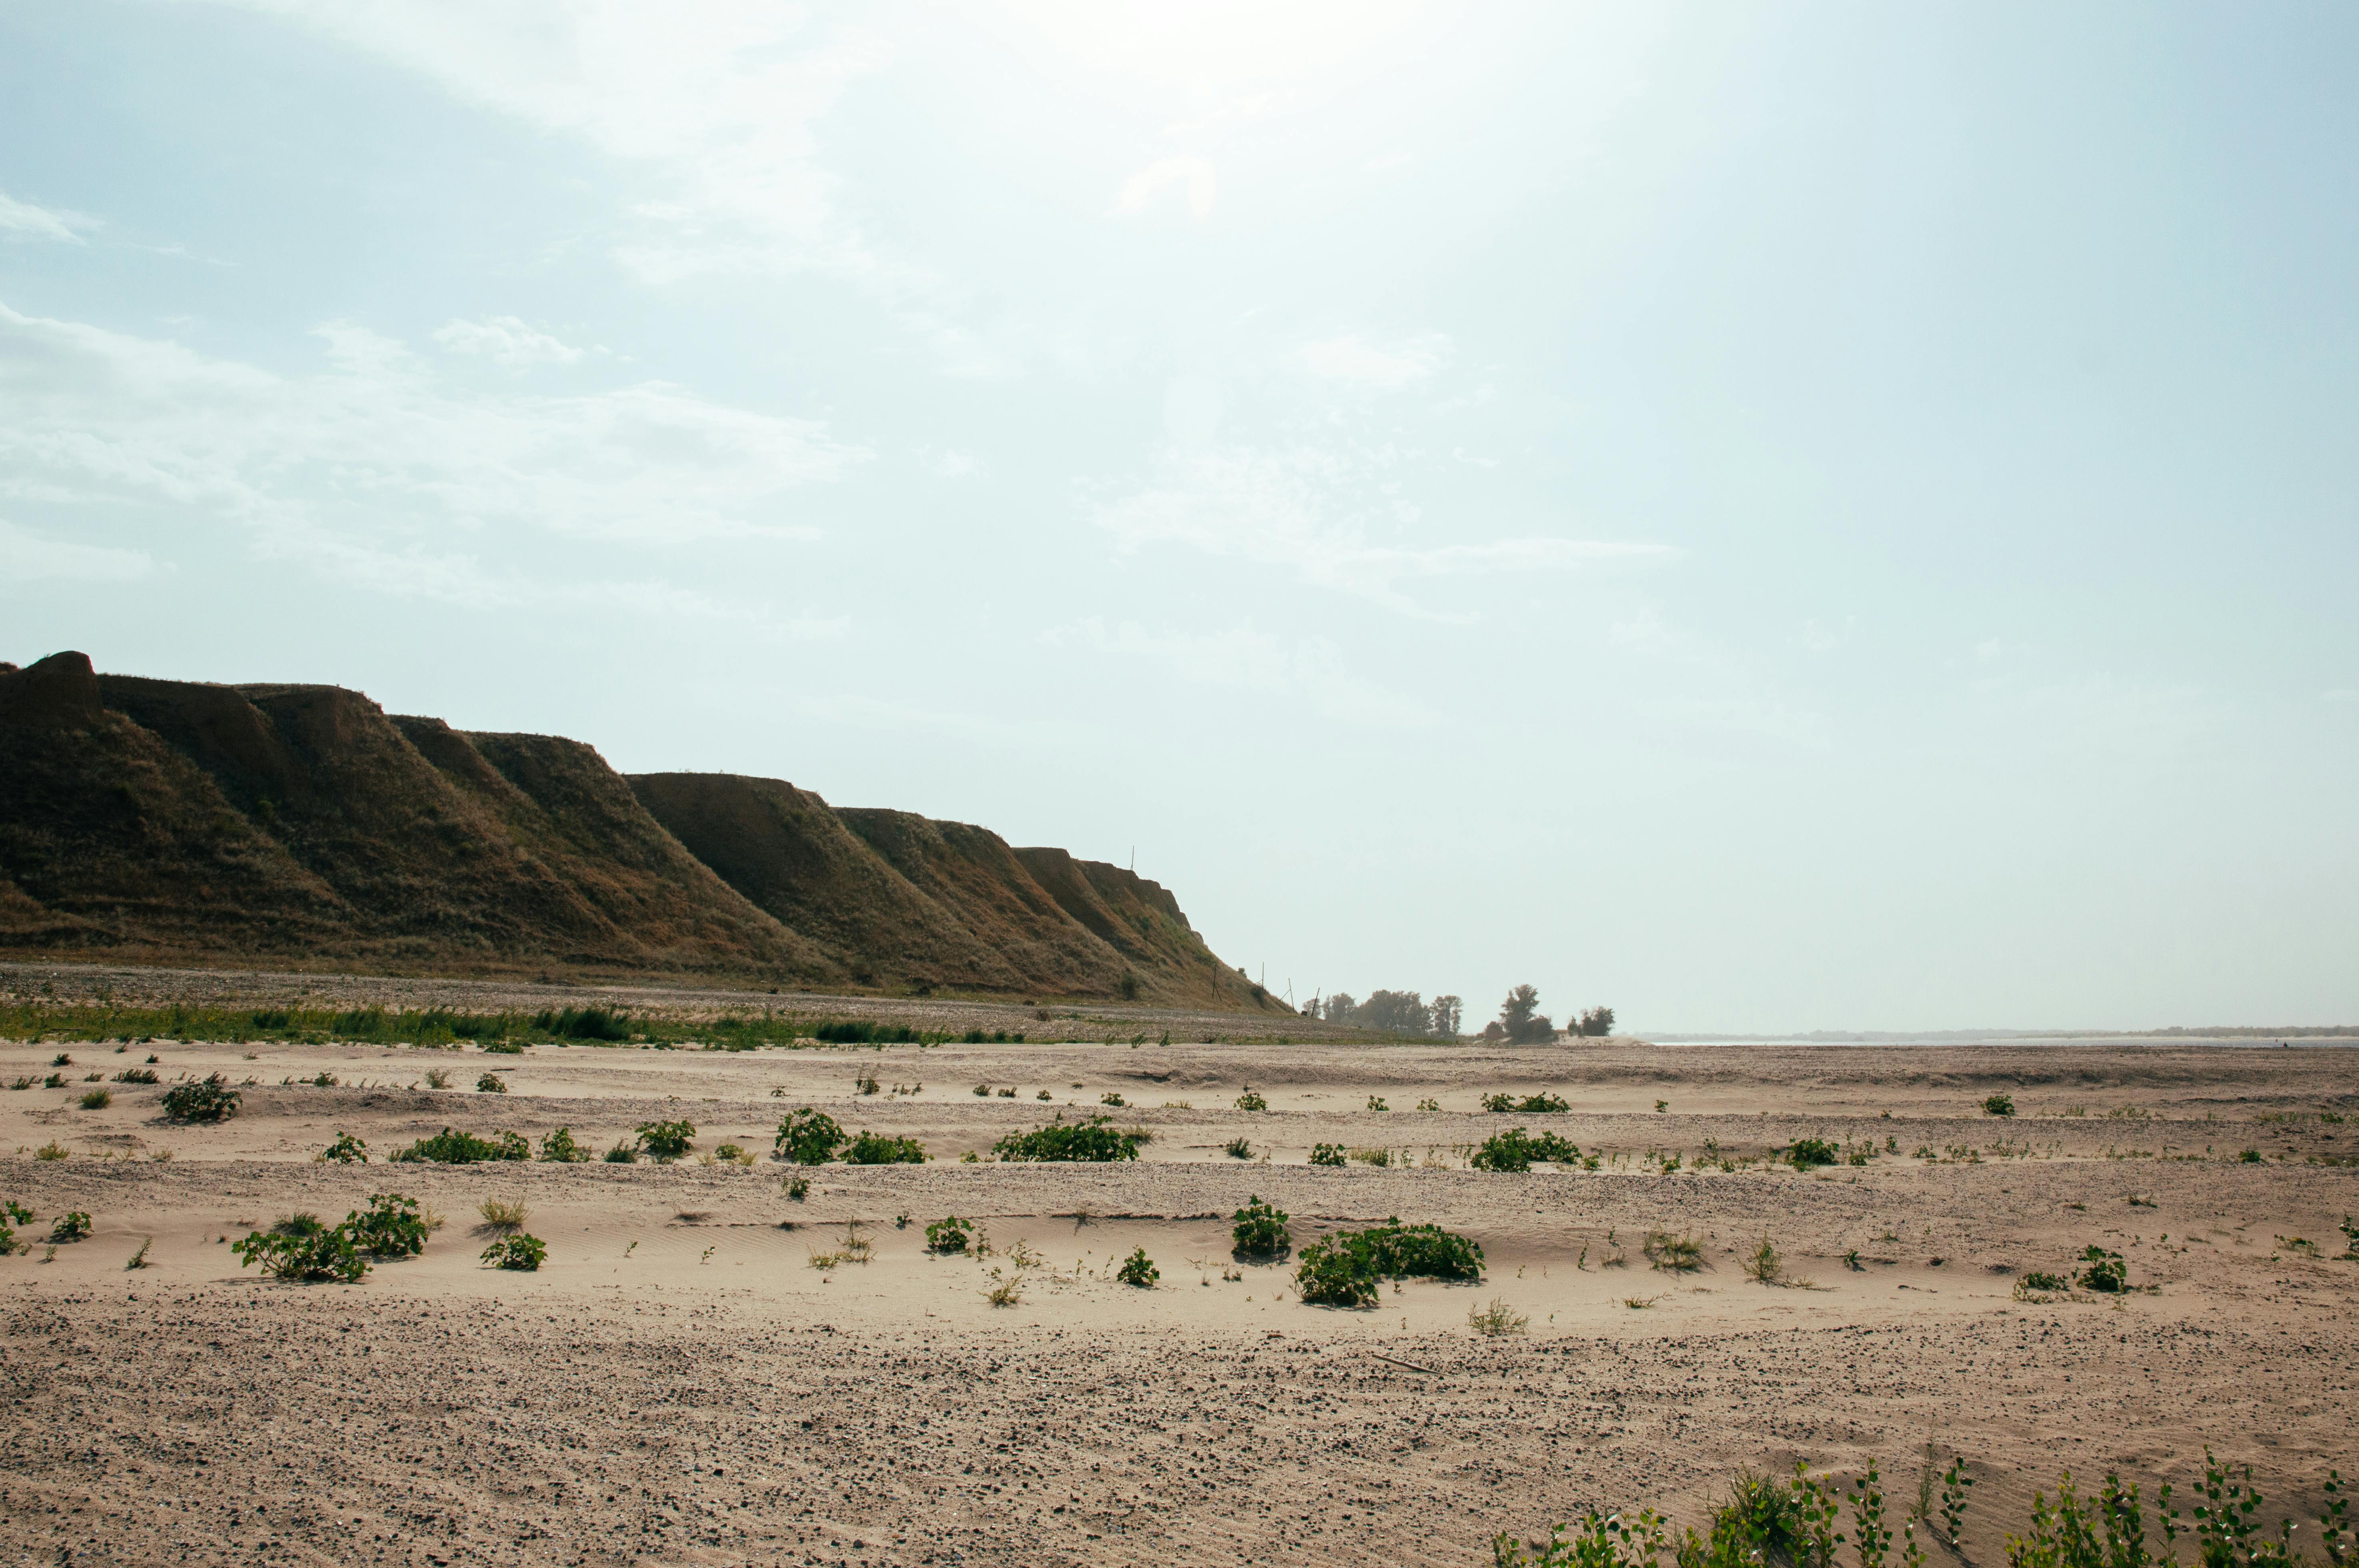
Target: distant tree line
(1521,1022)
(1392,1012)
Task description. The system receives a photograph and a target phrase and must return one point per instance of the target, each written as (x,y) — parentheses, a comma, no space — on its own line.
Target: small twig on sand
(1410,1364)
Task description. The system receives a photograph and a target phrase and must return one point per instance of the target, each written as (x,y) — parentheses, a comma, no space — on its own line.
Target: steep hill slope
(177,820)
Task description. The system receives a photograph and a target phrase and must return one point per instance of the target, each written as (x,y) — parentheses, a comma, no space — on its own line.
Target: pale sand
(671,1390)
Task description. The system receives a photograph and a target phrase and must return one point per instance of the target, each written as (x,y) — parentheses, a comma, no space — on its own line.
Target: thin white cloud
(1308,509)
(506,341)
(23,220)
(1388,367)
(26,557)
(375,469)
(1193,175)
(1309,670)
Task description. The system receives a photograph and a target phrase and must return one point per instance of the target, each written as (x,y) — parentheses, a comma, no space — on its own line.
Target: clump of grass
(52,1150)
(1249,1100)
(1380,1158)
(1238,1149)
(1139,1270)
(501,1214)
(1766,1264)
(1680,1254)
(1496,1321)
(1005,1292)
(1998,1105)
(622,1153)
(139,1259)
(135,1076)
(96,1100)
(436,1077)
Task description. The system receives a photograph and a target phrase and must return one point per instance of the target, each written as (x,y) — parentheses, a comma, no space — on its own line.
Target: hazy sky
(1768,517)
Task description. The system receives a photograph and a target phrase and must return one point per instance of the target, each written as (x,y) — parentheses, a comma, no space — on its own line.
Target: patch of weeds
(798,1188)
(2249,1157)
(61,1060)
(1249,1100)
(560,1148)
(1238,1149)
(1344,1269)
(449,1148)
(391,1227)
(135,1076)
(1998,1105)
(201,1100)
(2350,1240)
(25,1082)
(490,1084)
(1516,1149)
(72,1226)
(11,1214)
(1766,1264)
(1111,1098)
(856,1248)
(1380,1158)
(2103,1272)
(1090,1139)
(666,1140)
(1139,1270)
(346,1149)
(1639,1304)
(437,1077)
(1008,1093)
(139,1259)
(1004,1293)
(808,1137)
(1680,1254)
(1539,1104)
(1808,1152)
(2038,1286)
(96,1100)
(500,1215)
(303,1252)
(523,1253)
(622,1153)
(1496,1321)
(879,1149)
(1375,1102)
(1260,1230)
(1429,1104)
(54,1081)
(949,1235)
(52,1150)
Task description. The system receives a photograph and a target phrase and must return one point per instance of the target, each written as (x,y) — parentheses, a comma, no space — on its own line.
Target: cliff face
(146,819)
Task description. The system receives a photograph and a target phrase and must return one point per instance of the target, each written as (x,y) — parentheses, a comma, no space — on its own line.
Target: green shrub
(1808,1152)
(589,1023)
(135,1076)
(665,1139)
(346,1149)
(1094,1140)
(2104,1271)
(1261,1229)
(1682,1254)
(949,1235)
(449,1148)
(1998,1105)
(2041,1279)
(1344,1269)
(96,1100)
(808,1137)
(1516,1149)
(11,1214)
(560,1148)
(54,1081)
(521,1252)
(622,1153)
(857,1031)
(1539,1104)
(1251,1101)
(2250,1157)
(300,1247)
(490,1084)
(878,1148)
(201,1100)
(1327,1154)
(72,1226)
(1139,1270)
(1238,1148)
(61,1059)
(1111,1098)
(390,1227)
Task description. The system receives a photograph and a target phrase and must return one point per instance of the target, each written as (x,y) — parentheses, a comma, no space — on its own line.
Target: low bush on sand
(390,1226)
(12,1214)
(1327,1154)
(1679,1254)
(1998,1105)
(1252,1101)
(135,1076)
(1516,1149)
(72,1226)
(665,1141)
(1540,1104)
(1093,1139)
(1344,1269)
(949,1235)
(1808,1152)
(1139,1270)
(346,1149)
(808,1137)
(499,1214)
(560,1148)
(1260,1230)
(878,1148)
(1497,1320)
(1794,1523)
(521,1252)
(449,1148)
(201,1100)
